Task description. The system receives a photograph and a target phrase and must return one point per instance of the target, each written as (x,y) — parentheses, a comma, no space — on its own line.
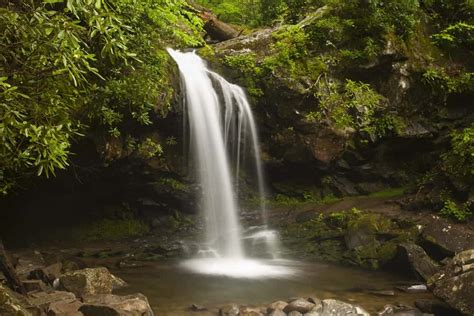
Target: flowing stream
(222,133)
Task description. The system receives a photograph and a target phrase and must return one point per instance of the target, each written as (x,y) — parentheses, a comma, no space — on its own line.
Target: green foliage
(389,193)
(70,65)
(289,47)
(246,63)
(459,213)
(459,35)
(458,162)
(175,184)
(251,13)
(355,106)
(110,229)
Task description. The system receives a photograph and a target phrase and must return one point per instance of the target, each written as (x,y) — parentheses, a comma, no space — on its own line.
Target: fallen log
(6,267)
(215,28)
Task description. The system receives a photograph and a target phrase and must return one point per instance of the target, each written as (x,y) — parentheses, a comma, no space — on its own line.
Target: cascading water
(218,131)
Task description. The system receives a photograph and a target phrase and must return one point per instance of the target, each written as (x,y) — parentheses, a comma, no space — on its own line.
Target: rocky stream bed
(436,255)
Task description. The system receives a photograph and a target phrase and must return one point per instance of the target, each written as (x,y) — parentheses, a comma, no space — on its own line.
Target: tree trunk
(8,270)
(214,27)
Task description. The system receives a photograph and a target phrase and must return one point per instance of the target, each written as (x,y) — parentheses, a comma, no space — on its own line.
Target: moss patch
(389,193)
(352,237)
(110,229)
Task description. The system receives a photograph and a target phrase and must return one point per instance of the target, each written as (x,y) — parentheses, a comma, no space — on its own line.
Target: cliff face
(348,126)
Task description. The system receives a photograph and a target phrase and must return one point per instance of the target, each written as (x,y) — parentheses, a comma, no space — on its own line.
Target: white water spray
(215,136)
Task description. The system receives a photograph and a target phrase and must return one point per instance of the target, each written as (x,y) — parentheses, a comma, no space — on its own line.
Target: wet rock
(109,304)
(299,305)
(73,264)
(313,299)
(45,299)
(250,311)
(34,285)
(446,239)
(278,305)
(198,308)
(47,274)
(229,310)
(28,262)
(118,283)
(454,283)
(65,308)
(277,312)
(400,310)
(336,307)
(435,307)
(417,288)
(88,281)
(10,303)
(419,261)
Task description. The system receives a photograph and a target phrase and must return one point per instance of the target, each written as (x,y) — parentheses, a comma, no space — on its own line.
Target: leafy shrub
(459,161)
(452,210)
(459,35)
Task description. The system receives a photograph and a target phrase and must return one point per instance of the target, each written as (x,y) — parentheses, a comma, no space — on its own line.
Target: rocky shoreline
(67,288)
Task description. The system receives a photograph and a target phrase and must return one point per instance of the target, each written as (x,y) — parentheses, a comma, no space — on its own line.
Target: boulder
(88,281)
(419,261)
(44,299)
(354,238)
(277,312)
(47,274)
(299,305)
(400,310)
(11,304)
(229,310)
(336,307)
(435,307)
(65,308)
(118,283)
(34,285)
(454,283)
(295,313)
(109,304)
(277,305)
(250,311)
(198,308)
(445,238)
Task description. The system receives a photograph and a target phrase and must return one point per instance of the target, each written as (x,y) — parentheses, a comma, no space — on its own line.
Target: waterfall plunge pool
(172,288)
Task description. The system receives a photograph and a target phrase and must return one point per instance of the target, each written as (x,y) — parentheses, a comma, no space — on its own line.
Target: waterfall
(222,129)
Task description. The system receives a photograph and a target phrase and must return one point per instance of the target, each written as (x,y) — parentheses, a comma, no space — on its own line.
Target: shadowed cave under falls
(223,134)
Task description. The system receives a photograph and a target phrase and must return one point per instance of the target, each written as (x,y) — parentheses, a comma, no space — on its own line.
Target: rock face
(10,304)
(454,283)
(88,281)
(446,238)
(108,304)
(420,262)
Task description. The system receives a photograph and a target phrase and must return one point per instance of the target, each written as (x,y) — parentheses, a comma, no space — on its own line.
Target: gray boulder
(299,305)
(419,261)
(454,283)
(114,305)
(89,281)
